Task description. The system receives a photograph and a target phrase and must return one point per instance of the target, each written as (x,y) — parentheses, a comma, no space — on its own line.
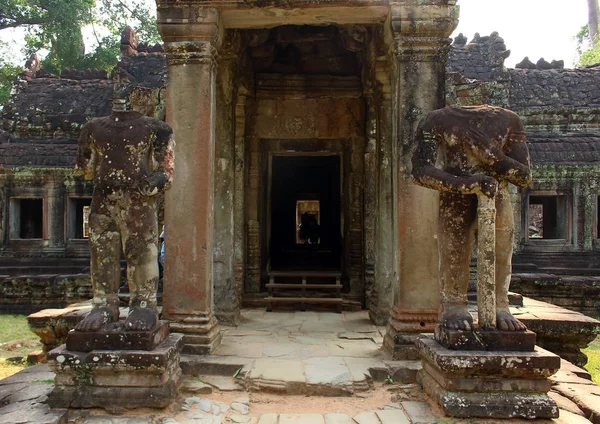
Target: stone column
(55,214)
(227,295)
(191,35)
(421,45)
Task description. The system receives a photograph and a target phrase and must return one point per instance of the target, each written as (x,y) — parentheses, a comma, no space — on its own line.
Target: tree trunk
(593,20)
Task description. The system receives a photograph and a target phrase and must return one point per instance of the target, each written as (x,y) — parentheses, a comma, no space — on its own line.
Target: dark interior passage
(305,212)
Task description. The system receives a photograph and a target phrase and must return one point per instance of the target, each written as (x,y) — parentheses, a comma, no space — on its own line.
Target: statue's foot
(141,319)
(98,318)
(505,321)
(456,317)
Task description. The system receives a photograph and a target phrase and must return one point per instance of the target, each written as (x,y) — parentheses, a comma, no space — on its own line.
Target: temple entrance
(305,213)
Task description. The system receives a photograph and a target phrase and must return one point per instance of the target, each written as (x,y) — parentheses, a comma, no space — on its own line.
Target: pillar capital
(421,31)
(189,23)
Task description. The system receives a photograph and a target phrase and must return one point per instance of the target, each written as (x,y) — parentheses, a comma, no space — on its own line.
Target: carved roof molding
(188,18)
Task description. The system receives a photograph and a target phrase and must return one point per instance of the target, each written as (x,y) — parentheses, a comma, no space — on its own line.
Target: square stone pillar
(191,36)
(421,44)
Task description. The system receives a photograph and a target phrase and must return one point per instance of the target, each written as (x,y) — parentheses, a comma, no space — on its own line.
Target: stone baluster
(191,38)
(421,45)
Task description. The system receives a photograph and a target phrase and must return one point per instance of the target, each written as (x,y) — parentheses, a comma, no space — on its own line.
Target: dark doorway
(305,212)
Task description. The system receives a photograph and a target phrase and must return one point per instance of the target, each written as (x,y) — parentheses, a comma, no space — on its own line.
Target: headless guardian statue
(129,157)
(463,151)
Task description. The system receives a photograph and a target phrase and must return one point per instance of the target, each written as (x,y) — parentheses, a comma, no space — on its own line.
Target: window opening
(79,214)
(547,217)
(27,217)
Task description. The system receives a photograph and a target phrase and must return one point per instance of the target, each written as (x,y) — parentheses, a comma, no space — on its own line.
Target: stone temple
(286,112)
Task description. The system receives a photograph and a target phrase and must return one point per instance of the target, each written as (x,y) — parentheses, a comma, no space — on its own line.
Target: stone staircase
(304,287)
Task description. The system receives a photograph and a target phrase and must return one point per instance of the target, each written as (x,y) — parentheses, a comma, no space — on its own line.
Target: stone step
(303,286)
(305,299)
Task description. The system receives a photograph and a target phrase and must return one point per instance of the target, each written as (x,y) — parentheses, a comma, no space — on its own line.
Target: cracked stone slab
(393,416)
(338,418)
(419,412)
(367,417)
(268,419)
(327,370)
(301,419)
(278,370)
(245,350)
(225,384)
(357,348)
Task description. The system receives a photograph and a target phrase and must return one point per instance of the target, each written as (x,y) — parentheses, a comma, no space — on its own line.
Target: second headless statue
(462,152)
(129,157)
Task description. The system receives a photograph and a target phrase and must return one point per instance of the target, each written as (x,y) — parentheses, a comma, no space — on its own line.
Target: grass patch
(8,368)
(16,340)
(593,364)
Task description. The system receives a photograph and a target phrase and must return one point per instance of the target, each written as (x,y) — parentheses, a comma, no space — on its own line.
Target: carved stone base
(469,384)
(492,340)
(201,335)
(116,378)
(117,339)
(404,328)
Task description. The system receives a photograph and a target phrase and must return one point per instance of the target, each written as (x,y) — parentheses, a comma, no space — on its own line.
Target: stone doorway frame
(330,147)
(415,40)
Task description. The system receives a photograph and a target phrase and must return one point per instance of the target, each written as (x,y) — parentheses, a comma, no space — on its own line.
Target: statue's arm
(426,174)
(85,162)
(163,148)
(517,166)
(510,165)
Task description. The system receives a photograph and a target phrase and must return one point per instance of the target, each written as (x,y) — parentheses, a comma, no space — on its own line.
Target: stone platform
(488,384)
(296,339)
(116,378)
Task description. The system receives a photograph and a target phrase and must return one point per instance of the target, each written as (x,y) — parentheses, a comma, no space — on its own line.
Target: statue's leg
(140,244)
(456,225)
(504,248)
(105,269)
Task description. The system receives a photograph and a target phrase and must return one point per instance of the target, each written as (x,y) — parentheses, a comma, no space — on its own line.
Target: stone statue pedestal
(488,384)
(117,369)
(489,340)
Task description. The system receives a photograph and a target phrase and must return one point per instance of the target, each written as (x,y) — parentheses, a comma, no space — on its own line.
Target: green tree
(114,16)
(8,74)
(589,35)
(54,25)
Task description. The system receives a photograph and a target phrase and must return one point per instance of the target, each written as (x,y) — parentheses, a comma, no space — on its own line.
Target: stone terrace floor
(289,368)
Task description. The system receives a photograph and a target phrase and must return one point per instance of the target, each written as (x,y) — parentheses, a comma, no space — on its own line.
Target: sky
(534,28)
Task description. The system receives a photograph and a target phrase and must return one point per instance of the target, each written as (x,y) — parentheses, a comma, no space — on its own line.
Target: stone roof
(50,108)
(38,154)
(564,149)
(554,87)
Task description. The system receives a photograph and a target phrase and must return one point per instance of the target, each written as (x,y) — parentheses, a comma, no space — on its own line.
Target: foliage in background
(589,36)
(8,74)
(56,26)
(590,56)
